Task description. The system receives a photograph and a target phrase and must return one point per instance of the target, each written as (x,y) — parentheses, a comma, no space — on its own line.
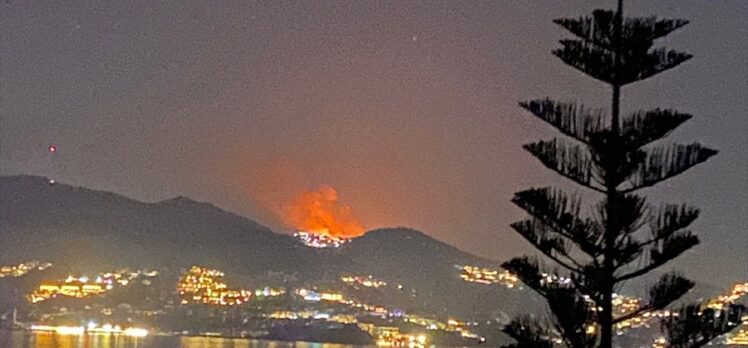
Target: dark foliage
(696,327)
(615,157)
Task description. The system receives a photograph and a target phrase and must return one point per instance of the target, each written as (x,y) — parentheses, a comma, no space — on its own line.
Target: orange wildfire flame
(321,212)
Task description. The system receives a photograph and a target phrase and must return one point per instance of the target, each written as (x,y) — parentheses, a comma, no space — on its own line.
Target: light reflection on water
(21,339)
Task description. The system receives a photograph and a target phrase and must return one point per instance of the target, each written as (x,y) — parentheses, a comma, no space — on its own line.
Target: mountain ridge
(182,201)
(89,231)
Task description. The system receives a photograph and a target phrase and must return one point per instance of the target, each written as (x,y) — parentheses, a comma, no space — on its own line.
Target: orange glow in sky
(321,212)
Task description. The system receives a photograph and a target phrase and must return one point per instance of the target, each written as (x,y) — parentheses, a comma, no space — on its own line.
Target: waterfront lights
(136,332)
(91,328)
(70,330)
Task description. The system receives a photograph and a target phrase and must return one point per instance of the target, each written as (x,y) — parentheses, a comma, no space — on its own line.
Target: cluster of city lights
(451,325)
(319,240)
(313,314)
(739,339)
(630,305)
(23,268)
(722,301)
(365,281)
(204,285)
(314,296)
(83,286)
(390,336)
(473,274)
(335,297)
(622,305)
(626,305)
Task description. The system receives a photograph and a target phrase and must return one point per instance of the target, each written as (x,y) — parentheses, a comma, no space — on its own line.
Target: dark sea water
(21,339)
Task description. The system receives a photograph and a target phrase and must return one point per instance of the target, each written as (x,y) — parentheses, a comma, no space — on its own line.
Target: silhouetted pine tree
(624,237)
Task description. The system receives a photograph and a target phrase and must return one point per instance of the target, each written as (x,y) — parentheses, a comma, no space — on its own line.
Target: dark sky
(408,109)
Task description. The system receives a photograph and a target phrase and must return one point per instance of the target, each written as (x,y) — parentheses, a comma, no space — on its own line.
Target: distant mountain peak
(181,200)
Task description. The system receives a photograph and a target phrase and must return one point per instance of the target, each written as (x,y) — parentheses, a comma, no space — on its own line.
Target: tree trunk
(606,314)
(611,228)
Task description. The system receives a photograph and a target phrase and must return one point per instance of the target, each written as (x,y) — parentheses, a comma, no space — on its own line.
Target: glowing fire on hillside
(321,219)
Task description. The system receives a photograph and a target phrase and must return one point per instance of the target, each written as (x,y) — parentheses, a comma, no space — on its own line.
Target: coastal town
(141,302)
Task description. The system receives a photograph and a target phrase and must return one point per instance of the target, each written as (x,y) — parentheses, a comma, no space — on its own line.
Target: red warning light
(52,148)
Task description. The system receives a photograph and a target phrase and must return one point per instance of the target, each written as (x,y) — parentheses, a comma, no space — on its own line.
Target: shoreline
(176,335)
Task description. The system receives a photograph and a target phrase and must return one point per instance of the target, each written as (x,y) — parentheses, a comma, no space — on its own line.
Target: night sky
(408,109)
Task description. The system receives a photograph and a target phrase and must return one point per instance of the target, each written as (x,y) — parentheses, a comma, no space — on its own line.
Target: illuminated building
(70,288)
(203,285)
(90,289)
(49,287)
(82,287)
